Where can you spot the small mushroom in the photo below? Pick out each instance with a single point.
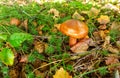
(75, 29)
(15, 21)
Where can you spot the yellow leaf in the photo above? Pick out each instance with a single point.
(61, 73)
(93, 12)
(55, 12)
(76, 15)
(104, 19)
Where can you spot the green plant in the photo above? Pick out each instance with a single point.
(16, 39)
(113, 35)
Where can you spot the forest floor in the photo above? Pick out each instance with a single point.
(33, 46)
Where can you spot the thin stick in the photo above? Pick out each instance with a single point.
(46, 65)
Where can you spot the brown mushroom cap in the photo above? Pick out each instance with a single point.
(15, 21)
(74, 28)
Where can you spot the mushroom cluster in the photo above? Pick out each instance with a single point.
(76, 30)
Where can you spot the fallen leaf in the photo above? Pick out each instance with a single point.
(91, 42)
(118, 44)
(113, 49)
(62, 15)
(57, 26)
(76, 15)
(43, 66)
(110, 6)
(25, 24)
(37, 63)
(34, 23)
(13, 73)
(106, 42)
(39, 29)
(115, 26)
(102, 34)
(38, 1)
(111, 60)
(39, 74)
(96, 35)
(103, 19)
(39, 46)
(55, 12)
(93, 12)
(61, 73)
(81, 46)
(102, 27)
(106, 31)
(24, 58)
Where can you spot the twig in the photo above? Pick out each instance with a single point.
(46, 65)
(43, 37)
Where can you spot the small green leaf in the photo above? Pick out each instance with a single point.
(7, 56)
(17, 39)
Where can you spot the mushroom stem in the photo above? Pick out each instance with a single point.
(72, 41)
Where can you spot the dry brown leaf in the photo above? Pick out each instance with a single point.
(62, 15)
(39, 29)
(96, 35)
(61, 73)
(34, 23)
(115, 26)
(13, 73)
(39, 74)
(106, 31)
(37, 63)
(76, 15)
(102, 34)
(111, 60)
(55, 12)
(24, 58)
(111, 7)
(102, 27)
(25, 24)
(113, 49)
(39, 46)
(106, 42)
(103, 19)
(118, 44)
(91, 42)
(93, 12)
(81, 46)
(38, 1)
(43, 66)
(57, 26)
(15, 21)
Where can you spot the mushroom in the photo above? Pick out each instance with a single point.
(15, 21)
(75, 29)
